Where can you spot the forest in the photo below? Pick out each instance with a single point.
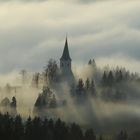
(14, 128)
(92, 100)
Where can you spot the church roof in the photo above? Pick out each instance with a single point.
(65, 55)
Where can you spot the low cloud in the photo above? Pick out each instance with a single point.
(32, 33)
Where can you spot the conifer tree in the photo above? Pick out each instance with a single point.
(35, 80)
(76, 132)
(89, 135)
(90, 62)
(110, 78)
(80, 85)
(93, 88)
(28, 129)
(100, 138)
(14, 102)
(104, 79)
(53, 103)
(87, 84)
(18, 128)
(13, 106)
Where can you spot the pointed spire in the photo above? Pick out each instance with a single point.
(65, 55)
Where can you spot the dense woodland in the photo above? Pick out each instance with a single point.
(14, 128)
(35, 129)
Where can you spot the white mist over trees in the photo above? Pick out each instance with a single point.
(92, 98)
(89, 95)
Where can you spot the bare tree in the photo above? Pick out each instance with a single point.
(23, 74)
(51, 71)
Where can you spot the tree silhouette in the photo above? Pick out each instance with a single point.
(23, 76)
(53, 102)
(122, 136)
(104, 79)
(13, 128)
(89, 135)
(35, 80)
(18, 128)
(92, 88)
(51, 71)
(110, 78)
(87, 84)
(76, 132)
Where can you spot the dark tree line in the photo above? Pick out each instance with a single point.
(117, 84)
(112, 77)
(83, 90)
(37, 129)
(9, 106)
(122, 136)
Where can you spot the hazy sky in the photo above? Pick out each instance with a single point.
(32, 31)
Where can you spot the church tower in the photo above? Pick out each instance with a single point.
(65, 62)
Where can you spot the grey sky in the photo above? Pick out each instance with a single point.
(32, 32)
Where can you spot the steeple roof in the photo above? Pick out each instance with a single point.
(66, 55)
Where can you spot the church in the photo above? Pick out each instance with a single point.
(66, 64)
